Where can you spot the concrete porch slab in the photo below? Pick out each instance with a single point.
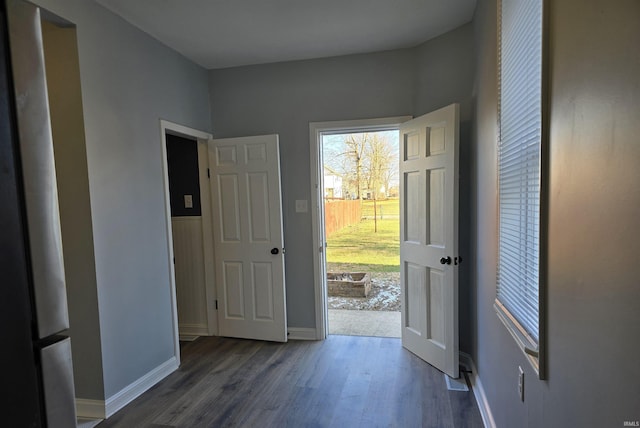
(364, 323)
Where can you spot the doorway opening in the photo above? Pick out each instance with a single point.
(189, 243)
(356, 224)
(186, 226)
(362, 229)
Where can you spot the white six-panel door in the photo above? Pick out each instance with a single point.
(247, 229)
(429, 237)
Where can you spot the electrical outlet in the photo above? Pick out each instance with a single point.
(521, 383)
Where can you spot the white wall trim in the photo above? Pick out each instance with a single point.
(478, 391)
(90, 409)
(183, 131)
(194, 329)
(316, 130)
(301, 333)
(180, 130)
(102, 409)
(137, 388)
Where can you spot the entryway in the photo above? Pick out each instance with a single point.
(189, 239)
(428, 235)
(362, 228)
(328, 319)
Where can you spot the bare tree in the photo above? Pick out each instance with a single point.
(365, 161)
(356, 148)
(380, 156)
(380, 164)
(349, 160)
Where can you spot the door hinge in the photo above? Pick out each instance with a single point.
(216, 304)
(208, 173)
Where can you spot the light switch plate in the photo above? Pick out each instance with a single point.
(188, 201)
(301, 206)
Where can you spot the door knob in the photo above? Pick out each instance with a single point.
(445, 260)
(274, 251)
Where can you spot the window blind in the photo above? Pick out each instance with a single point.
(519, 155)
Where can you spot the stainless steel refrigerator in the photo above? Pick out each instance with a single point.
(35, 356)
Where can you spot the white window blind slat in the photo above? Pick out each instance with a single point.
(520, 116)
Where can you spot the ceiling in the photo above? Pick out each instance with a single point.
(229, 33)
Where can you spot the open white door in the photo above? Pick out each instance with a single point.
(247, 229)
(429, 237)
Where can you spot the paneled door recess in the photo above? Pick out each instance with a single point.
(249, 250)
(429, 237)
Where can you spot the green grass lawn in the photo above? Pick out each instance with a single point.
(358, 248)
(387, 207)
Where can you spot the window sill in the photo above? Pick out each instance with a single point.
(527, 345)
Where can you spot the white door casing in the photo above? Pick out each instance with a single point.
(429, 237)
(316, 132)
(248, 237)
(183, 131)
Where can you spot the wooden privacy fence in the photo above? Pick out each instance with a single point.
(339, 213)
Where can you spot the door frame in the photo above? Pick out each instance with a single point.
(203, 162)
(316, 131)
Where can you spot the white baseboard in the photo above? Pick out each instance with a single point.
(478, 391)
(99, 409)
(90, 409)
(187, 338)
(193, 329)
(300, 333)
(135, 389)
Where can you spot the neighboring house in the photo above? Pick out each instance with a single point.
(371, 194)
(118, 265)
(332, 186)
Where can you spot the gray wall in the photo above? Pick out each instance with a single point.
(593, 317)
(129, 82)
(67, 125)
(445, 72)
(283, 98)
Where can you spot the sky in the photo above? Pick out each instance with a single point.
(333, 147)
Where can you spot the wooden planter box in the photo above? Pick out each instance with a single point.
(349, 284)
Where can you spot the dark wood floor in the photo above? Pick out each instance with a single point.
(344, 381)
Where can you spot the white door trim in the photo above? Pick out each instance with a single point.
(180, 130)
(316, 130)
